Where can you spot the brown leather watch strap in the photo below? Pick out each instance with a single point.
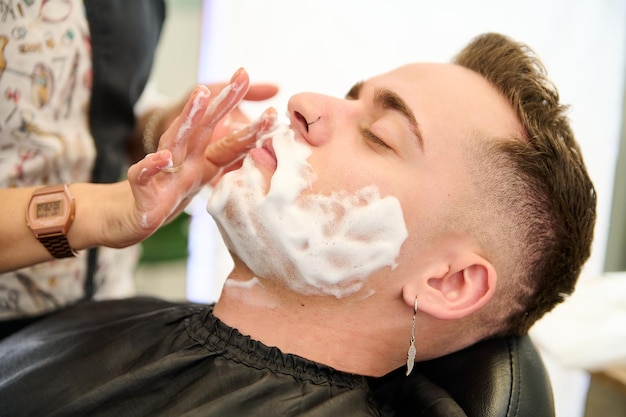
(58, 246)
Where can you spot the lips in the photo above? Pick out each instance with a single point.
(268, 145)
(265, 155)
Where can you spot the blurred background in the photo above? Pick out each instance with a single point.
(327, 45)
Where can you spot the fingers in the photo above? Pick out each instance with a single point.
(221, 125)
(259, 92)
(230, 148)
(200, 115)
(192, 113)
(227, 99)
(141, 172)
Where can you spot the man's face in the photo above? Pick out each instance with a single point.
(395, 145)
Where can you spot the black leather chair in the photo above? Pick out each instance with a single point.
(502, 377)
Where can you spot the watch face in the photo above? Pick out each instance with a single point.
(50, 213)
(49, 209)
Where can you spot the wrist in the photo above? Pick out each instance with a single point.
(98, 210)
(81, 235)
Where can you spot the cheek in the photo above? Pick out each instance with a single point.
(342, 170)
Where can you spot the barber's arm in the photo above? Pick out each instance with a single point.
(158, 187)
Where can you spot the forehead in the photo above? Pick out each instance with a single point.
(451, 97)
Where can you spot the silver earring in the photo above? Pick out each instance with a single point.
(410, 360)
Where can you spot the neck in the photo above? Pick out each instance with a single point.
(352, 334)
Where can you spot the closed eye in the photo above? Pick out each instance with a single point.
(367, 134)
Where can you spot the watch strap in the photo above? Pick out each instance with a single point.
(58, 246)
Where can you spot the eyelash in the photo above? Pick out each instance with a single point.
(367, 134)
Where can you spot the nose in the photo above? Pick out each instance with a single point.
(318, 118)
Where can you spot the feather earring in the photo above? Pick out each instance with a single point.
(410, 360)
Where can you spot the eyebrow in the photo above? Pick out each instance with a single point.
(389, 100)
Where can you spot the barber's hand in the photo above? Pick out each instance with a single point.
(164, 182)
(231, 123)
(237, 119)
(236, 125)
(233, 120)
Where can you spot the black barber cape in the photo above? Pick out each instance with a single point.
(147, 357)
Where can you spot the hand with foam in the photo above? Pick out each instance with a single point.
(236, 117)
(188, 157)
(226, 151)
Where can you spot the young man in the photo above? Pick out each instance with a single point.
(433, 207)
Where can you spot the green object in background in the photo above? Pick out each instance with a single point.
(169, 243)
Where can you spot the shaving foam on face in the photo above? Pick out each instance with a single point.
(316, 244)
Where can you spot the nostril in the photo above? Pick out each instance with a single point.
(301, 118)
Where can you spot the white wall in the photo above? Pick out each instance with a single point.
(327, 45)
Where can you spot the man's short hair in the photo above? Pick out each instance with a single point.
(537, 187)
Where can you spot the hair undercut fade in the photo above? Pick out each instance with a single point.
(539, 186)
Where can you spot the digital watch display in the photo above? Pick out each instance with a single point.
(49, 216)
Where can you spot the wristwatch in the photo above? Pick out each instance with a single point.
(49, 216)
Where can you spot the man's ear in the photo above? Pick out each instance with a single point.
(454, 290)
